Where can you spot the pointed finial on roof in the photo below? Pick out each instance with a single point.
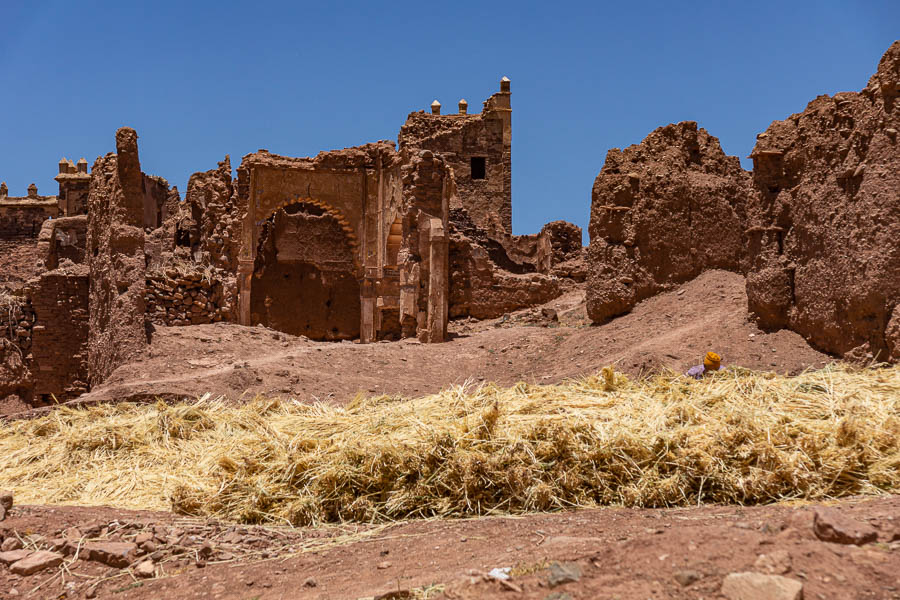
(435, 107)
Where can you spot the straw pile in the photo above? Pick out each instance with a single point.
(735, 437)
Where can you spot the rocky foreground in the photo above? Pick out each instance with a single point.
(850, 549)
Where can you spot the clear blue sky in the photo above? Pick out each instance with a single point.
(202, 79)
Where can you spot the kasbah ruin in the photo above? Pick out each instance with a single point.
(294, 378)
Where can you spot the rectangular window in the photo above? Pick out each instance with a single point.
(479, 169)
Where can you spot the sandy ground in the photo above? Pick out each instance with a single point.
(671, 330)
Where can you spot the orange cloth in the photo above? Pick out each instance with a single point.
(712, 361)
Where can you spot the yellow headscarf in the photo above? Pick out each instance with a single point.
(712, 361)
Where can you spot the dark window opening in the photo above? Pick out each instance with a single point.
(479, 169)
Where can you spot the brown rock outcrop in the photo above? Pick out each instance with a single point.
(662, 211)
(823, 232)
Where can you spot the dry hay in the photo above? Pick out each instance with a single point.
(735, 437)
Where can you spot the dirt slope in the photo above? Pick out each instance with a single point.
(670, 330)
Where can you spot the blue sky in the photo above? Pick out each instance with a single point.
(202, 79)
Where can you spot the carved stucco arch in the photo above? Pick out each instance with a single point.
(247, 264)
(335, 213)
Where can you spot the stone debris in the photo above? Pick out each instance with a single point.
(777, 562)
(145, 569)
(561, 573)
(686, 577)
(756, 586)
(830, 525)
(36, 561)
(10, 556)
(114, 554)
(10, 543)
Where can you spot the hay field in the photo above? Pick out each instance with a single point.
(735, 437)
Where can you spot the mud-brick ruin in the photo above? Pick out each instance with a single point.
(376, 242)
(388, 241)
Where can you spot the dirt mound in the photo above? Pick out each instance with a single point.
(662, 212)
(824, 237)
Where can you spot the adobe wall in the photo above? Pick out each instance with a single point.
(22, 216)
(491, 276)
(214, 227)
(17, 321)
(60, 334)
(825, 224)
(389, 215)
(460, 138)
(179, 297)
(63, 239)
(115, 242)
(662, 211)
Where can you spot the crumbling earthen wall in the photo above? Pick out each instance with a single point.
(187, 297)
(662, 212)
(17, 321)
(60, 334)
(15, 377)
(490, 277)
(116, 257)
(478, 148)
(22, 216)
(213, 229)
(63, 239)
(825, 230)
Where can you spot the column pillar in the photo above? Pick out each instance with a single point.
(437, 282)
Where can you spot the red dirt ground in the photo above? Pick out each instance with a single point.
(629, 554)
(670, 330)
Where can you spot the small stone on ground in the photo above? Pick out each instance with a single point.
(756, 586)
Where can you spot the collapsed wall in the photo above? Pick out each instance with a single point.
(662, 211)
(825, 232)
(115, 245)
(491, 275)
(814, 227)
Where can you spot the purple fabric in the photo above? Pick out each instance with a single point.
(696, 372)
(699, 371)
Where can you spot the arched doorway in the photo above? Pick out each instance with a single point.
(305, 279)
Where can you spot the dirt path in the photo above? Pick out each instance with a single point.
(630, 554)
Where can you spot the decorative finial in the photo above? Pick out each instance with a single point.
(504, 84)
(463, 107)
(435, 108)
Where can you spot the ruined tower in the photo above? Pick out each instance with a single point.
(478, 149)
